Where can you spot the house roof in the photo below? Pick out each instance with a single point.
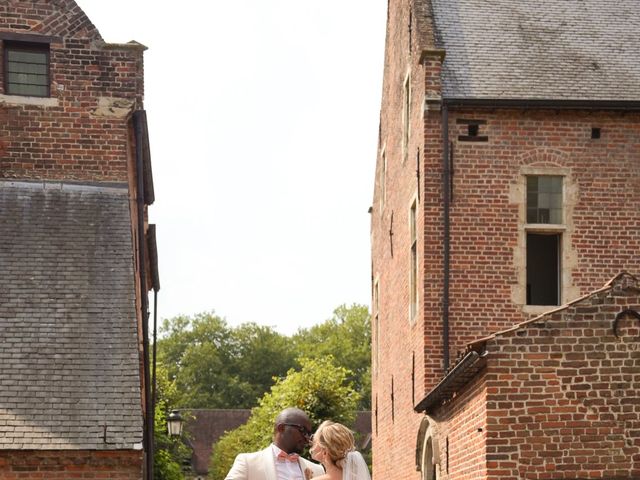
(474, 357)
(69, 363)
(205, 427)
(548, 49)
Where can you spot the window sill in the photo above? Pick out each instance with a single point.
(24, 100)
(539, 309)
(546, 227)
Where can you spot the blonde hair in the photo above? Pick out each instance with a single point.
(336, 439)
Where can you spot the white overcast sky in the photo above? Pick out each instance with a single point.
(263, 123)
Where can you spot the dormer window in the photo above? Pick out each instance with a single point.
(26, 69)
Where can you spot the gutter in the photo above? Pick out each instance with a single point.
(139, 119)
(459, 375)
(446, 188)
(624, 105)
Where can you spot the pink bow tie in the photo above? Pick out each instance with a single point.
(288, 457)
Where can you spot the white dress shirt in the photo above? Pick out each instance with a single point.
(286, 470)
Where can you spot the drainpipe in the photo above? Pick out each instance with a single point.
(144, 300)
(446, 188)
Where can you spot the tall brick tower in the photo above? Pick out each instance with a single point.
(77, 257)
(505, 189)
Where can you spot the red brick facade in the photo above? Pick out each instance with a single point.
(487, 290)
(557, 400)
(66, 465)
(82, 132)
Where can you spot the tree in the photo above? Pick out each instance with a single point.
(216, 366)
(320, 388)
(168, 452)
(347, 337)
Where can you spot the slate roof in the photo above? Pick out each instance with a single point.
(69, 364)
(544, 49)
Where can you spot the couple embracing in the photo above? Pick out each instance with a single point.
(332, 445)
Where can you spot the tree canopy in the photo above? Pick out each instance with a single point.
(320, 388)
(217, 366)
(347, 337)
(214, 365)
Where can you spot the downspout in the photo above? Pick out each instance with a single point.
(446, 187)
(144, 300)
(153, 372)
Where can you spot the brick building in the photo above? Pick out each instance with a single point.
(77, 256)
(505, 201)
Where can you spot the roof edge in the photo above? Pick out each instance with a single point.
(459, 375)
(543, 103)
(475, 358)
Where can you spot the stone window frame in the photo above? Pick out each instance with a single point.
(41, 48)
(428, 449)
(43, 42)
(569, 257)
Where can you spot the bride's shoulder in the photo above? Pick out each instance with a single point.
(324, 476)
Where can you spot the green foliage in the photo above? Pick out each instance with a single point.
(320, 388)
(168, 451)
(216, 366)
(347, 337)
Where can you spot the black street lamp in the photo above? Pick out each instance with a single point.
(174, 423)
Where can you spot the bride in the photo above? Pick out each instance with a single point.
(333, 446)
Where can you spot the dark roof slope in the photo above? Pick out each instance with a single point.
(546, 49)
(69, 364)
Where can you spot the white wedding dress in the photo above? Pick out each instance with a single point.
(355, 467)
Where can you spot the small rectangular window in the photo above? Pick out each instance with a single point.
(543, 269)
(406, 117)
(383, 180)
(544, 199)
(413, 302)
(26, 69)
(376, 327)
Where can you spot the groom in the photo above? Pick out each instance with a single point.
(281, 460)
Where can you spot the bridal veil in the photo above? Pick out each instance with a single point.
(355, 467)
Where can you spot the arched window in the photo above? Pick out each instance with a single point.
(427, 449)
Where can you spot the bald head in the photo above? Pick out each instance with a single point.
(291, 430)
(291, 415)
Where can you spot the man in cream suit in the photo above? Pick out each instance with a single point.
(281, 460)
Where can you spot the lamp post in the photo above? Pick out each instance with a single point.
(174, 423)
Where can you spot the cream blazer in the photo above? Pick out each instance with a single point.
(261, 466)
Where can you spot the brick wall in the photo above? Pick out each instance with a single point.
(563, 394)
(461, 433)
(67, 465)
(80, 132)
(487, 206)
(487, 246)
(399, 340)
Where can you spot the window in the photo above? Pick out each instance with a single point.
(376, 327)
(413, 283)
(544, 199)
(26, 69)
(544, 232)
(383, 180)
(406, 114)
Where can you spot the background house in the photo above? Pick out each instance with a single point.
(76, 256)
(509, 136)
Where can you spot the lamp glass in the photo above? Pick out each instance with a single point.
(174, 424)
